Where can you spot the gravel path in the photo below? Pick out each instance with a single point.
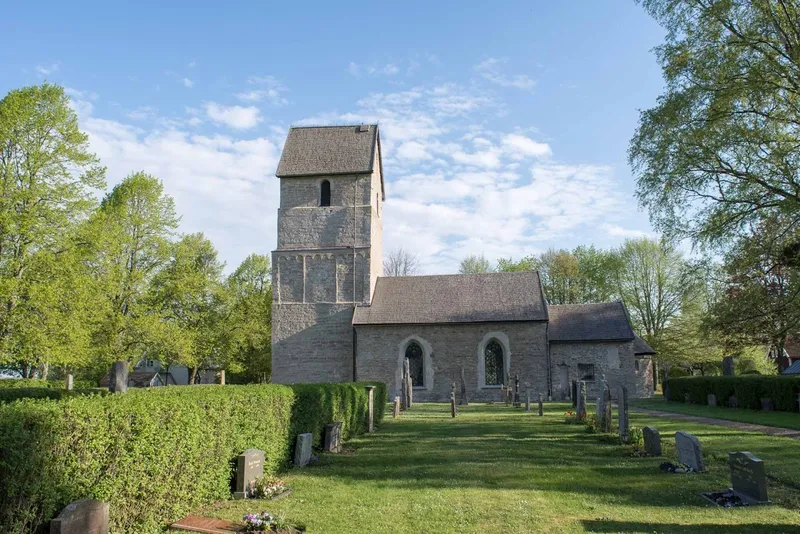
(769, 430)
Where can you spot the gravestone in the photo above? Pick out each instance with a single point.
(333, 437)
(687, 398)
(404, 393)
(712, 399)
(249, 467)
(118, 380)
(733, 402)
(541, 408)
(652, 441)
(727, 366)
(624, 427)
(581, 408)
(516, 391)
(68, 383)
(748, 477)
(396, 407)
(689, 451)
(767, 405)
(86, 516)
(302, 450)
(408, 385)
(370, 409)
(528, 399)
(606, 409)
(453, 402)
(222, 377)
(574, 393)
(464, 400)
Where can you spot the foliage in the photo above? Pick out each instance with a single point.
(473, 264)
(401, 262)
(6, 383)
(141, 450)
(635, 436)
(748, 389)
(18, 393)
(268, 486)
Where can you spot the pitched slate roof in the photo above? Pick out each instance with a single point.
(458, 298)
(793, 369)
(607, 321)
(315, 150)
(641, 347)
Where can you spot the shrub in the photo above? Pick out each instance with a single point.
(13, 383)
(17, 393)
(154, 454)
(748, 389)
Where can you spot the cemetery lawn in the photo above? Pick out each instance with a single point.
(756, 417)
(499, 469)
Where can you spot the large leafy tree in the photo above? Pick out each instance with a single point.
(47, 179)
(720, 150)
(474, 264)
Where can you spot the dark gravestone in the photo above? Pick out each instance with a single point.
(727, 366)
(606, 409)
(371, 409)
(516, 391)
(333, 437)
(581, 408)
(541, 408)
(302, 449)
(733, 402)
(86, 516)
(404, 393)
(767, 405)
(453, 409)
(528, 398)
(249, 467)
(687, 398)
(712, 399)
(396, 407)
(464, 400)
(118, 380)
(689, 451)
(624, 426)
(574, 393)
(652, 441)
(748, 477)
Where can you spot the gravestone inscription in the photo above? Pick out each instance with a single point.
(302, 450)
(333, 437)
(86, 516)
(689, 451)
(249, 467)
(748, 477)
(652, 441)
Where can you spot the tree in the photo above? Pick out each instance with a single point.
(189, 297)
(47, 178)
(249, 325)
(474, 264)
(508, 265)
(401, 262)
(597, 268)
(719, 151)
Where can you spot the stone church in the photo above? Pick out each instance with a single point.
(336, 319)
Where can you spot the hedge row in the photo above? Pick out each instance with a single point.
(13, 394)
(13, 383)
(156, 454)
(748, 389)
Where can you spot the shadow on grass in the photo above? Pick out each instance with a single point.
(632, 526)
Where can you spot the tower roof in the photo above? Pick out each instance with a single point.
(326, 150)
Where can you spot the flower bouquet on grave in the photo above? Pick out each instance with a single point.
(669, 467)
(268, 487)
(261, 522)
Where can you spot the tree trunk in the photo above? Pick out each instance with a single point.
(44, 368)
(192, 375)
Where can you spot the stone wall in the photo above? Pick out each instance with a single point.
(447, 347)
(612, 360)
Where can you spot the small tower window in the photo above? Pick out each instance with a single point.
(325, 193)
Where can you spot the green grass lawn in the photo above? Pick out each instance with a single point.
(496, 469)
(779, 419)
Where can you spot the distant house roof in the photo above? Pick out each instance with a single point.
(641, 347)
(136, 379)
(792, 348)
(607, 321)
(793, 369)
(320, 150)
(456, 298)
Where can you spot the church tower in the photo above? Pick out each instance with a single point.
(329, 252)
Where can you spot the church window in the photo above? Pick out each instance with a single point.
(586, 371)
(493, 359)
(325, 193)
(415, 363)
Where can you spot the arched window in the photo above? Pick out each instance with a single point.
(415, 363)
(493, 359)
(325, 193)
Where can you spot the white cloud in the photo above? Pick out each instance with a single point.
(264, 88)
(188, 83)
(143, 113)
(520, 146)
(489, 69)
(388, 69)
(236, 117)
(619, 231)
(46, 70)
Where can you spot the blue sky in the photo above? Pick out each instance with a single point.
(505, 125)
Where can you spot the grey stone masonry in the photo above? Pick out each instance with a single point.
(86, 516)
(118, 381)
(333, 437)
(624, 425)
(302, 450)
(614, 361)
(652, 441)
(249, 468)
(689, 451)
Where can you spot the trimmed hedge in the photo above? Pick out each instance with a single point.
(11, 383)
(748, 389)
(15, 393)
(154, 454)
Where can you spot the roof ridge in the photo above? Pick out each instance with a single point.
(375, 124)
